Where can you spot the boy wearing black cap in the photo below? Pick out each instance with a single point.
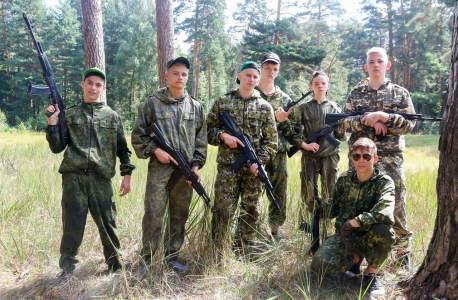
(254, 118)
(97, 136)
(182, 121)
(277, 168)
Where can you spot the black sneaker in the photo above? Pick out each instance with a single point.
(374, 287)
(142, 271)
(65, 273)
(177, 267)
(355, 269)
(118, 266)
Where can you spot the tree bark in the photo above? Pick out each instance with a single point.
(198, 72)
(209, 80)
(237, 67)
(132, 92)
(165, 37)
(93, 36)
(277, 33)
(438, 274)
(194, 62)
(7, 54)
(390, 39)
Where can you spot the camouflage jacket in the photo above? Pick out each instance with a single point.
(279, 99)
(254, 118)
(97, 137)
(370, 202)
(181, 121)
(309, 117)
(388, 97)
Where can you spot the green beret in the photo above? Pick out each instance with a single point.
(249, 65)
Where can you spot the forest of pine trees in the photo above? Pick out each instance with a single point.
(305, 34)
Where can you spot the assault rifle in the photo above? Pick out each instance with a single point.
(293, 103)
(248, 155)
(315, 136)
(183, 167)
(333, 118)
(50, 88)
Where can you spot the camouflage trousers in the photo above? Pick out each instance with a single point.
(329, 172)
(229, 186)
(80, 194)
(278, 176)
(393, 164)
(334, 257)
(157, 199)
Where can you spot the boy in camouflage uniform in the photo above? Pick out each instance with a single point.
(254, 118)
(362, 203)
(276, 168)
(182, 121)
(309, 117)
(97, 136)
(379, 94)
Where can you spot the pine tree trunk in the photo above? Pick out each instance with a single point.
(237, 67)
(438, 274)
(131, 91)
(318, 34)
(165, 45)
(7, 54)
(198, 72)
(194, 62)
(209, 81)
(93, 36)
(390, 39)
(277, 34)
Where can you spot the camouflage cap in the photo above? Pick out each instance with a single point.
(181, 59)
(249, 65)
(93, 70)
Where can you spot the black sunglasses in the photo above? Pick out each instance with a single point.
(366, 156)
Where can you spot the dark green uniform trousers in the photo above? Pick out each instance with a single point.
(278, 176)
(157, 199)
(83, 193)
(334, 257)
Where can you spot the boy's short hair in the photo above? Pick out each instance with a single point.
(366, 144)
(377, 50)
(316, 74)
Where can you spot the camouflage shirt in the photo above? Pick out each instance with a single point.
(253, 117)
(279, 99)
(97, 137)
(309, 117)
(389, 97)
(370, 202)
(181, 121)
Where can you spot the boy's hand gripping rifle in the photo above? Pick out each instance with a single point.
(248, 155)
(50, 89)
(183, 167)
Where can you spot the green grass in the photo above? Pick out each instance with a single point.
(30, 232)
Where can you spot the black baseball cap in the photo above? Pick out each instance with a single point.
(270, 57)
(180, 59)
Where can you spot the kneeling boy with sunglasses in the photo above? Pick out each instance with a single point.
(363, 204)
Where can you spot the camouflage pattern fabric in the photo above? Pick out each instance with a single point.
(371, 203)
(334, 257)
(80, 194)
(278, 174)
(253, 118)
(229, 186)
(183, 124)
(97, 137)
(329, 172)
(277, 168)
(157, 199)
(277, 100)
(181, 121)
(309, 117)
(388, 97)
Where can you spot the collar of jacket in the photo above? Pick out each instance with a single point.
(377, 173)
(363, 85)
(163, 94)
(95, 105)
(254, 95)
(277, 91)
(315, 101)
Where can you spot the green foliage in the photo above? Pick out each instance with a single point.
(3, 122)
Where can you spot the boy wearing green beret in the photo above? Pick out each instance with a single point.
(254, 118)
